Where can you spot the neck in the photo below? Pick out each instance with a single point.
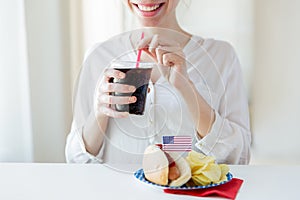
(174, 26)
(166, 29)
(175, 33)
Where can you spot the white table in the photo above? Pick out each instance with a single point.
(94, 181)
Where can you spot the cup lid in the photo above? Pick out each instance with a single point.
(131, 64)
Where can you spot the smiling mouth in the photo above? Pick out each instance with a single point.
(148, 8)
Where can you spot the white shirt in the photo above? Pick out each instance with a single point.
(214, 69)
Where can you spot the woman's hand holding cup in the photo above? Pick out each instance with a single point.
(106, 101)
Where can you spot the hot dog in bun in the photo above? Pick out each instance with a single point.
(165, 168)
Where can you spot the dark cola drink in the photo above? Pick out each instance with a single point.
(138, 77)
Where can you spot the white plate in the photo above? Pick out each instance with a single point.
(139, 174)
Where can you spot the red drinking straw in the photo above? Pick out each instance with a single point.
(139, 53)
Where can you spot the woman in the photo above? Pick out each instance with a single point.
(195, 90)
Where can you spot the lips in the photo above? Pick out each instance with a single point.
(148, 10)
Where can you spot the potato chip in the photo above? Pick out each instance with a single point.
(205, 170)
(224, 171)
(223, 178)
(199, 169)
(197, 160)
(200, 158)
(200, 179)
(212, 172)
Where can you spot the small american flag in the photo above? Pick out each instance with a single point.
(177, 143)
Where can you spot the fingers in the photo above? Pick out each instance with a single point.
(144, 43)
(153, 45)
(164, 51)
(112, 73)
(116, 87)
(110, 100)
(171, 59)
(108, 86)
(105, 101)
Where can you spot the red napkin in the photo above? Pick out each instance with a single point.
(228, 190)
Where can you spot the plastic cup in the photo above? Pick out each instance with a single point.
(138, 77)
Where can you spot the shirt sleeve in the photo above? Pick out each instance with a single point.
(230, 137)
(75, 151)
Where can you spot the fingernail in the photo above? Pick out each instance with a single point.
(132, 99)
(121, 75)
(131, 88)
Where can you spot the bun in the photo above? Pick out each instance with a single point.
(156, 167)
(184, 168)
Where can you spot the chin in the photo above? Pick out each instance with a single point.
(147, 24)
(150, 23)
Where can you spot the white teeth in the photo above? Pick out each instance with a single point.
(148, 8)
